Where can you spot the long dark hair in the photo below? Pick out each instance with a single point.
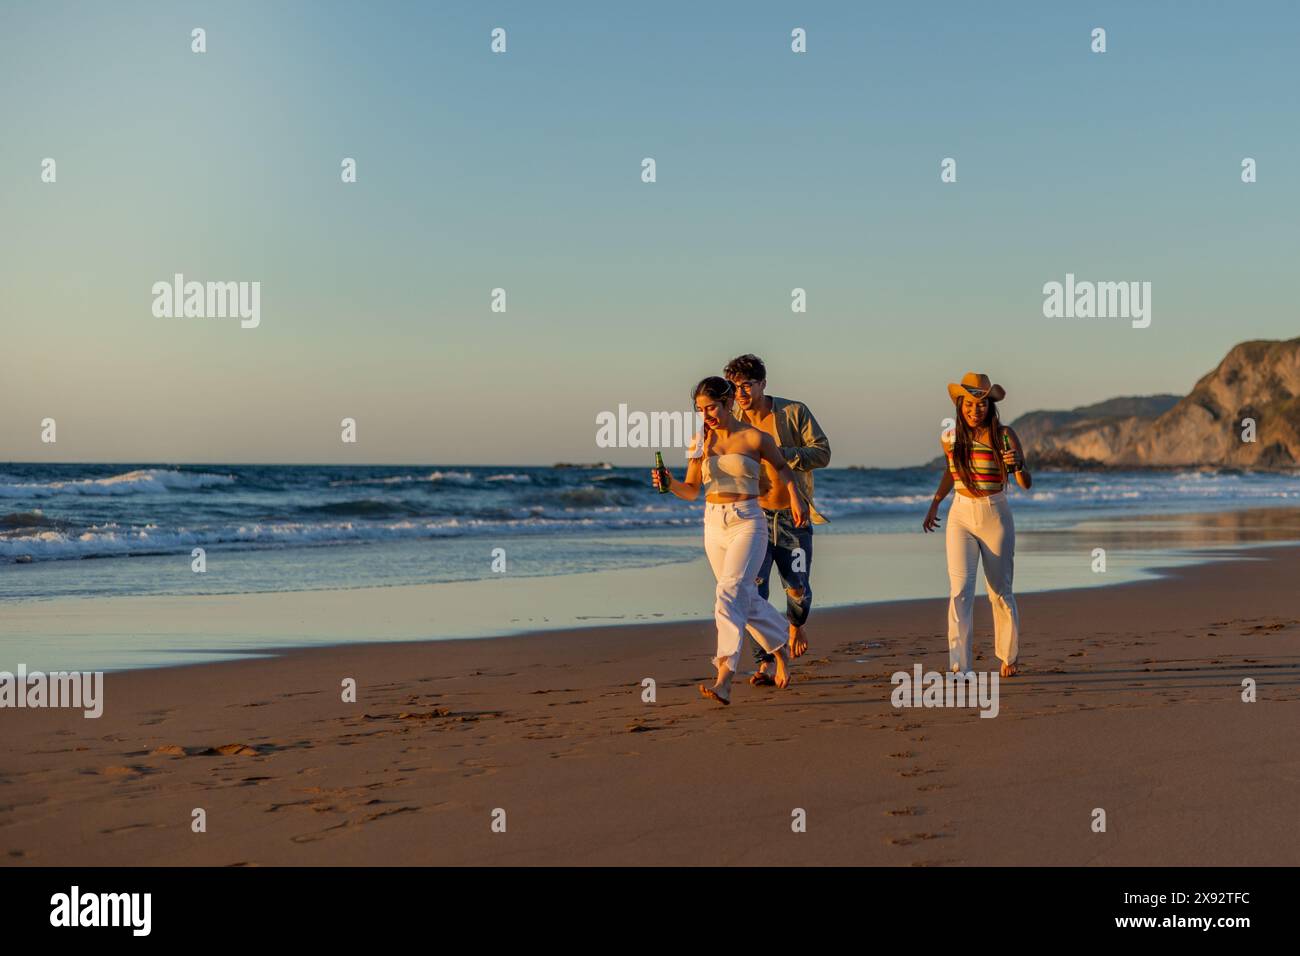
(963, 445)
(715, 387)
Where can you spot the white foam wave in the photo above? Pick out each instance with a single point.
(111, 540)
(452, 477)
(148, 481)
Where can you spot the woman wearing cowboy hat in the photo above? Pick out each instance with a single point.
(981, 453)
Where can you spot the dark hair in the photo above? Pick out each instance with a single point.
(718, 389)
(964, 443)
(746, 366)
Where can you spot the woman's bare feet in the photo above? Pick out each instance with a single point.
(713, 694)
(721, 689)
(783, 667)
(1010, 670)
(798, 643)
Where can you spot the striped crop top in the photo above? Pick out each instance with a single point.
(985, 470)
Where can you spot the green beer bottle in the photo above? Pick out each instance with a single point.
(664, 478)
(1006, 446)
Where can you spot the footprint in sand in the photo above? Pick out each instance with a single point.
(575, 752)
(129, 826)
(157, 716)
(351, 825)
(434, 714)
(276, 807)
(225, 750)
(133, 770)
(914, 838)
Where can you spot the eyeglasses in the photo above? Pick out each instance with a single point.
(747, 386)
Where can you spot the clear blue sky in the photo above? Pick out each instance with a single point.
(522, 171)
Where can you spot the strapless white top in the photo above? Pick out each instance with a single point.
(732, 474)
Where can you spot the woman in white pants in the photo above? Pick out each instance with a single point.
(724, 463)
(981, 453)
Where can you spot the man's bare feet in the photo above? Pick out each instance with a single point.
(783, 667)
(1010, 670)
(798, 643)
(761, 677)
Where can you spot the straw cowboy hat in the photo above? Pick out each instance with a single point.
(976, 385)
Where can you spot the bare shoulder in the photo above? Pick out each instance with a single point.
(757, 443)
(756, 439)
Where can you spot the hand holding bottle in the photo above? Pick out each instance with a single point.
(1010, 456)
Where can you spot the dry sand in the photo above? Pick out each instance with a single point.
(1130, 701)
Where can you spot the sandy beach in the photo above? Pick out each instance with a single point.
(1129, 701)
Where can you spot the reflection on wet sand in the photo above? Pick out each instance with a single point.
(1171, 532)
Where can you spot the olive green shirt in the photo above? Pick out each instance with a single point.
(804, 445)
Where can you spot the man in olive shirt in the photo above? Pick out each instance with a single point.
(805, 447)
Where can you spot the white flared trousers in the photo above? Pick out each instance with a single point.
(735, 539)
(981, 529)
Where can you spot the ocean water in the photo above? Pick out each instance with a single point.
(86, 530)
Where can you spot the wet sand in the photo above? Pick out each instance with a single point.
(113, 632)
(1129, 701)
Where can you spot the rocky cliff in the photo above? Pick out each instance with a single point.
(1258, 380)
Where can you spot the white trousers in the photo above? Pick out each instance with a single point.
(981, 529)
(735, 539)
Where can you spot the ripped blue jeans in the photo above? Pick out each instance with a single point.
(790, 549)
